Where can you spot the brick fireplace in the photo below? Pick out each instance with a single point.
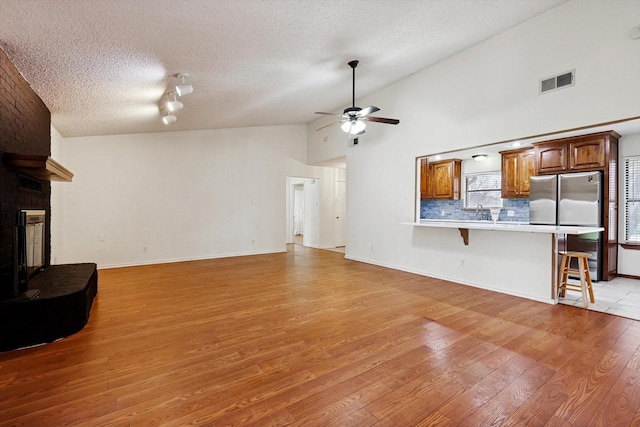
(39, 303)
(25, 127)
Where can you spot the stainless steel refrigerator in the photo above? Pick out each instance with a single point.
(571, 199)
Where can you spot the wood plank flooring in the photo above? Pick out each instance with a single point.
(308, 338)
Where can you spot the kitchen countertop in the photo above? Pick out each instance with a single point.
(505, 226)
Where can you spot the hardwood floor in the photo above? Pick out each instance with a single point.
(309, 338)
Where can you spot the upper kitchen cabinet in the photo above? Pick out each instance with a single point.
(517, 167)
(551, 157)
(575, 154)
(440, 180)
(588, 153)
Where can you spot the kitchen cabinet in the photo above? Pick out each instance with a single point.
(593, 152)
(576, 154)
(587, 153)
(517, 167)
(551, 158)
(440, 180)
(424, 179)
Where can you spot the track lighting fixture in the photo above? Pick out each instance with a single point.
(173, 104)
(183, 89)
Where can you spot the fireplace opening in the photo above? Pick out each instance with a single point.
(29, 247)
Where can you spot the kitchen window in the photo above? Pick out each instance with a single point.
(483, 189)
(632, 199)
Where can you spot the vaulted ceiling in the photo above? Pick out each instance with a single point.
(103, 66)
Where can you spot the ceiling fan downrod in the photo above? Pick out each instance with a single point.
(353, 64)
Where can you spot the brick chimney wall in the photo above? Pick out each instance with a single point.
(25, 128)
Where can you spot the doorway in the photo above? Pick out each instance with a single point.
(303, 211)
(298, 214)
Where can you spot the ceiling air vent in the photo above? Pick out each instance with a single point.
(557, 82)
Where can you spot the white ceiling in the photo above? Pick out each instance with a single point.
(102, 66)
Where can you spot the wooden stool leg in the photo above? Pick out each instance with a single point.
(583, 282)
(589, 282)
(562, 276)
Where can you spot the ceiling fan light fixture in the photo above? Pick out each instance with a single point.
(354, 127)
(358, 127)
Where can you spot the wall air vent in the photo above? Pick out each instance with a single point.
(557, 82)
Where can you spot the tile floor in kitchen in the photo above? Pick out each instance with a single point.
(620, 296)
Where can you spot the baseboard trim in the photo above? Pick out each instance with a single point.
(452, 280)
(628, 276)
(172, 260)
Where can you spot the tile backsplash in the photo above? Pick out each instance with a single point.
(454, 209)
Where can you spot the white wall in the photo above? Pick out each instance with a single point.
(483, 95)
(57, 191)
(180, 195)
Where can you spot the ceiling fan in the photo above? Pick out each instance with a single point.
(353, 118)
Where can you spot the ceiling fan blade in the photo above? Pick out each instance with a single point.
(327, 114)
(382, 120)
(367, 110)
(326, 126)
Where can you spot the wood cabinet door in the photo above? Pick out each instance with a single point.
(509, 175)
(517, 167)
(587, 154)
(441, 180)
(551, 158)
(526, 169)
(424, 179)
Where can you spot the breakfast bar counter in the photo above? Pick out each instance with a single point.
(521, 227)
(519, 259)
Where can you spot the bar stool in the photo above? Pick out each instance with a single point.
(583, 271)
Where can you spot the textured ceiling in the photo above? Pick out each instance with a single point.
(102, 66)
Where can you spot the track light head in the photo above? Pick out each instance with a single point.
(173, 104)
(169, 118)
(183, 88)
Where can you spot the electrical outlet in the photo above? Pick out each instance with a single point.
(144, 249)
(461, 262)
(511, 213)
(441, 213)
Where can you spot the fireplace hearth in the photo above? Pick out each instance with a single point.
(62, 308)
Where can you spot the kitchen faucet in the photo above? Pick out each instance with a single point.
(479, 208)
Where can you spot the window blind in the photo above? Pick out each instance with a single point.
(483, 189)
(632, 199)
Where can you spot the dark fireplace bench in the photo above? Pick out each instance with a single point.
(61, 309)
